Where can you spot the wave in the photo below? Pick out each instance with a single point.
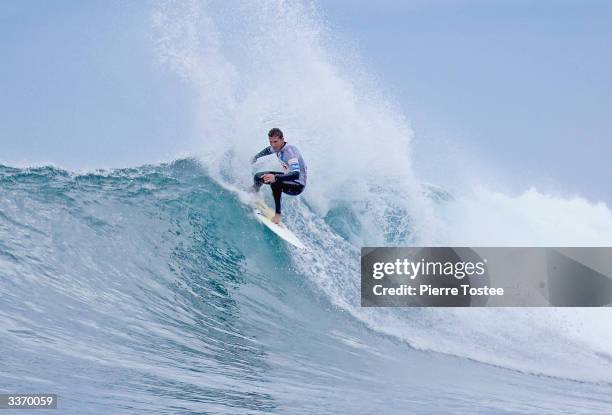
(156, 279)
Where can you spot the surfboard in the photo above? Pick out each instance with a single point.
(264, 214)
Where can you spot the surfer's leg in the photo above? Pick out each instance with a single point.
(293, 188)
(278, 188)
(277, 191)
(258, 181)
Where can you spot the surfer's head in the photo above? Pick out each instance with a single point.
(276, 139)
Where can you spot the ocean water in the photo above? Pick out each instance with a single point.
(153, 289)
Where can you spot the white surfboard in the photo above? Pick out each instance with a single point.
(264, 214)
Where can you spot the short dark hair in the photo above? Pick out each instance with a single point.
(275, 132)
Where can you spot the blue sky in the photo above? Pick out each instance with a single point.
(523, 86)
(526, 86)
(80, 87)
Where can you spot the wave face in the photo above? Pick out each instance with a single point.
(154, 289)
(259, 64)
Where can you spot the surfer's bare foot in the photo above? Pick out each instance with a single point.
(276, 218)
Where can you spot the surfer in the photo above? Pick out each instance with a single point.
(292, 181)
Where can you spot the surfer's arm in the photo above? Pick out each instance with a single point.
(266, 151)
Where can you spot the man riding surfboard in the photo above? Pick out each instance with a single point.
(292, 181)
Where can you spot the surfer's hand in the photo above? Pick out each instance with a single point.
(253, 160)
(269, 178)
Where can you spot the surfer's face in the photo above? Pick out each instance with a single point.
(276, 143)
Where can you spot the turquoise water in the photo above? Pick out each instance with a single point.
(154, 290)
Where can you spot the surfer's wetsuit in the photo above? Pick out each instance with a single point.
(292, 181)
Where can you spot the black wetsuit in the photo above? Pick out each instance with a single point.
(292, 181)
